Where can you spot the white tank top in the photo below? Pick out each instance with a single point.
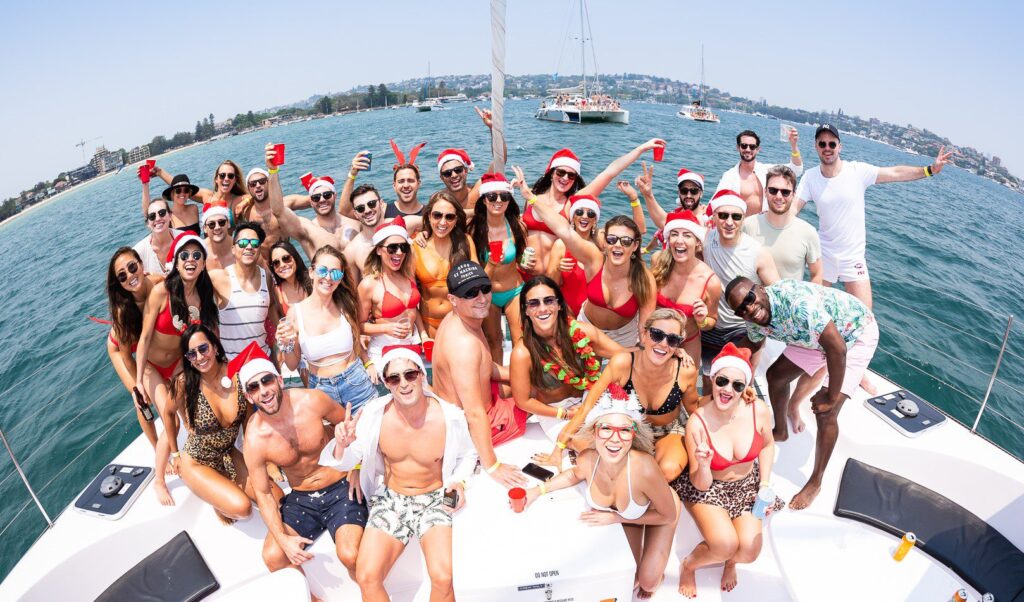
(337, 342)
(728, 263)
(243, 320)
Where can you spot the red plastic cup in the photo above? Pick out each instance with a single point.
(517, 499)
(144, 173)
(497, 248)
(659, 153)
(278, 154)
(151, 163)
(428, 350)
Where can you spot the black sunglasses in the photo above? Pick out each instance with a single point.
(497, 197)
(315, 198)
(484, 289)
(625, 241)
(195, 255)
(284, 259)
(182, 189)
(192, 354)
(745, 146)
(453, 171)
(226, 176)
(158, 213)
(690, 191)
(360, 208)
(410, 376)
(132, 267)
(258, 182)
(829, 144)
(658, 335)
(395, 247)
(724, 215)
(565, 173)
(742, 308)
(437, 215)
(737, 385)
(785, 192)
(216, 223)
(254, 387)
(588, 212)
(550, 300)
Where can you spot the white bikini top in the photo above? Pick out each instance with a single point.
(633, 511)
(337, 342)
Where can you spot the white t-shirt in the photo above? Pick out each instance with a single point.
(792, 247)
(150, 262)
(840, 204)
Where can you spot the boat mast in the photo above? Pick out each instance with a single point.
(583, 53)
(702, 74)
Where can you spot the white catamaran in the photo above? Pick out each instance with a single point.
(697, 111)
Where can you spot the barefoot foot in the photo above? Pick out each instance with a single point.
(643, 594)
(729, 577)
(805, 496)
(795, 421)
(687, 580)
(868, 386)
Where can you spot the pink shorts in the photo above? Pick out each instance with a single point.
(857, 358)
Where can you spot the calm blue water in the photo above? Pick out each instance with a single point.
(957, 233)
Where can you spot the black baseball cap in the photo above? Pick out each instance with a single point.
(826, 127)
(464, 276)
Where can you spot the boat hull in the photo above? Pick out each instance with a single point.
(585, 116)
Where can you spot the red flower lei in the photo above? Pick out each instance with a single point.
(581, 344)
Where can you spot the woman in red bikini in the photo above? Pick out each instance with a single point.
(685, 283)
(731, 451)
(446, 244)
(128, 287)
(389, 300)
(562, 267)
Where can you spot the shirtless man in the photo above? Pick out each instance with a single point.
(288, 431)
(748, 176)
(325, 229)
(369, 208)
(256, 208)
(427, 455)
(216, 222)
(464, 370)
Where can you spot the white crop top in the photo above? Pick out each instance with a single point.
(337, 342)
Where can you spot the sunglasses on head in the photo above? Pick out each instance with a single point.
(201, 349)
(588, 212)
(327, 195)
(182, 190)
(257, 182)
(745, 146)
(830, 144)
(266, 380)
(785, 192)
(284, 259)
(323, 271)
(230, 175)
(216, 223)
(744, 306)
(453, 171)
(193, 255)
(564, 173)
(158, 213)
(687, 191)
(658, 335)
(369, 205)
(248, 243)
(625, 241)
(605, 431)
(410, 376)
(737, 385)
(132, 267)
(483, 289)
(550, 301)
(724, 215)
(437, 215)
(497, 197)
(397, 247)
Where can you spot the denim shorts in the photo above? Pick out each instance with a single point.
(352, 386)
(311, 513)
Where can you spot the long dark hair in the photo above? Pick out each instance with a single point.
(344, 296)
(544, 183)
(460, 248)
(209, 314)
(478, 227)
(189, 373)
(125, 316)
(238, 188)
(539, 351)
(301, 272)
(639, 283)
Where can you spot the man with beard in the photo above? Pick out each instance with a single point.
(792, 242)
(244, 319)
(415, 453)
(326, 228)
(454, 165)
(690, 187)
(256, 208)
(465, 372)
(288, 431)
(216, 222)
(748, 176)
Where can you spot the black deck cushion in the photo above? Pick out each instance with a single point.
(945, 530)
(174, 573)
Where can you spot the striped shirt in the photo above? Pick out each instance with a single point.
(243, 320)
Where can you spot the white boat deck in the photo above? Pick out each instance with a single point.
(82, 555)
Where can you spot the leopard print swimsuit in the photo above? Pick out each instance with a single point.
(208, 442)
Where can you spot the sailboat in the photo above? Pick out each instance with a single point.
(573, 105)
(697, 111)
(428, 104)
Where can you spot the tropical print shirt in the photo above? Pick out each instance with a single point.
(801, 310)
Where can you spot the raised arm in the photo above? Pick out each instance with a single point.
(603, 179)
(907, 173)
(645, 184)
(583, 250)
(145, 199)
(634, 203)
(359, 163)
(796, 163)
(290, 223)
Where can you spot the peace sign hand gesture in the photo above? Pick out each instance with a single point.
(942, 159)
(644, 181)
(520, 181)
(345, 431)
(702, 450)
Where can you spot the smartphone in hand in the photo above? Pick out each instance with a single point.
(451, 498)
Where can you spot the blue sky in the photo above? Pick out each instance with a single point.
(129, 71)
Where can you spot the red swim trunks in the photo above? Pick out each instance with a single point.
(507, 420)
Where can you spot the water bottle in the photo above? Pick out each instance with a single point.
(765, 497)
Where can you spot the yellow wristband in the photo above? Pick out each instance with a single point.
(560, 444)
(274, 170)
(493, 468)
(543, 489)
(531, 200)
(928, 171)
(634, 203)
(357, 467)
(367, 364)
(703, 323)
(560, 414)
(351, 176)
(794, 154)
(175, 455)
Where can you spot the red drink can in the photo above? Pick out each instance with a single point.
(278, 154)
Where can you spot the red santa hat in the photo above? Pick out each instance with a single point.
(685, 220)
(726, 198)
(494, 182)
(733, 357)
(215, 210)
(584, 201)
(454, 154)
(311, 182)
(180, 241)
(395, 227)
(250, 363)
(564, 158)
(685, 174)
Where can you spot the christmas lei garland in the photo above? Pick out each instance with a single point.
(581, 344)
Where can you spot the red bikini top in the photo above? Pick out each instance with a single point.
(595, 294)
(165, 322)
(683, 308)
(392, 307)
(535, 225)
(718, 461)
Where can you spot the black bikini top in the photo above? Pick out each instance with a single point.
(675, 396)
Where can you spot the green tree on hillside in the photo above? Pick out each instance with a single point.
(325, 105)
